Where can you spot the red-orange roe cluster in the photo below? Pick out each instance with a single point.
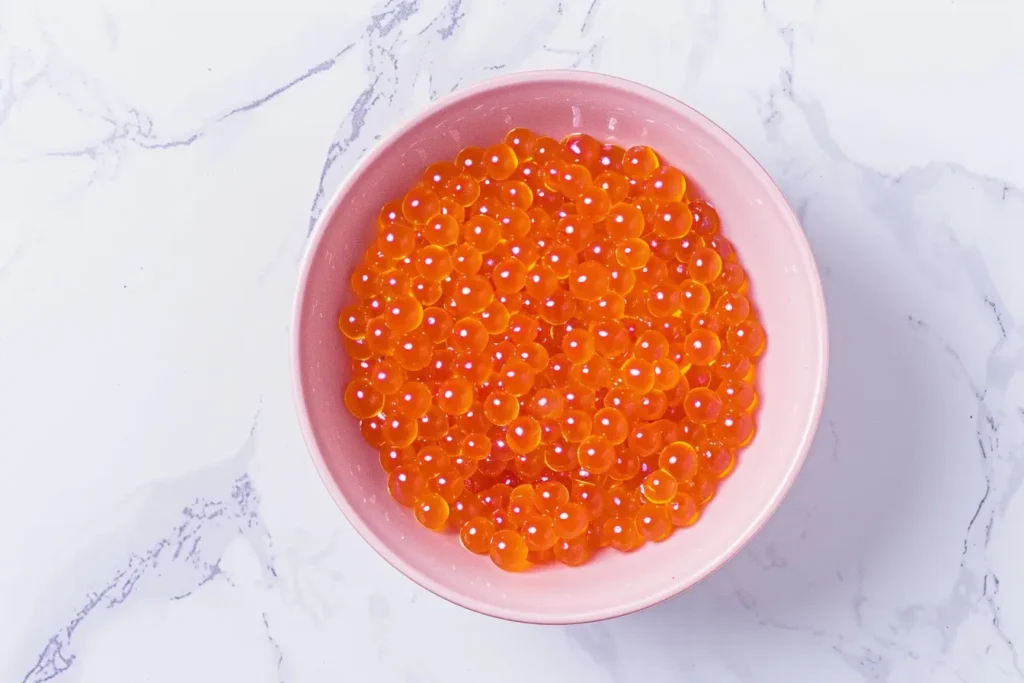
(552, 349)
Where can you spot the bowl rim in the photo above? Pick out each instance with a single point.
(818, 312)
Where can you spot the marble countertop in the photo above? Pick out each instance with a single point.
(160, 170)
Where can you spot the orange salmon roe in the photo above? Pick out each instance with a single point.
(553, 348)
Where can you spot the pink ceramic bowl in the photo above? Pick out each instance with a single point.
(786, 290)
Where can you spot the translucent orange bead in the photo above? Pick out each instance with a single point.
(644, 439)
(593, 203)
(579, 397)
(433, 425)
(539, 532)
(426, 292)
(638, 375)
(747, 338)
(614, 184)
(508, 550)
(578, 345)
(462, 189)
(386, 376)
(522, 329)
(702, 346)
(664, 299)
(683, 509)
(621, 533)
(358, 349)
(561, 456)
(702, 405)
(476, 445)
(570, 520)
(633, 253)
(476, 535)
(482, 233)
(589, 281)
(431, 511)
(653, 406)
(576, 425)
(545, 149)
(455, 396)
(611, 339)
(399, 431)
(420, 204)
(732, 308)
(517, 195)
(651, 346)
(705, 218)
(680, 460)
(575, 231)
(405, 484)
(501, 407)
(734, 427)
(673, 220)
(352, 322)
(709, 320)
(438, 174)
(705, 265)
(639, 162)
(403, 314)
(582, 148)
(596, 454)
(494, 317)
(558, 308)
(659, 487)
(500, 161)
(665, 185)
(732, 278)
(534, 355)
(467, 259)
(737, 394)
(394, 284)
(473, 293)
(441, 230)
(547, 404)
(372, 430)
(627, 465)
(516, 377)
(390, 458)
(611, 424)
(449, 207)
(521, 508)
(594, 374)
(471, 162)
(624, 221)
(362, 399)
(732, 365)
(653, 522)
(574, 180)
(572, 552)
(434, 263)
(522, 141)
(561, 259)
(716, 460)
(541, 282)
(397, 241)
(550, 495)
(695, 297)
(523, 434)
(364, 281)
(469, 335)
(413, 351)
(390, 214)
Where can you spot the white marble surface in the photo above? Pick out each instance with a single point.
(160, 167)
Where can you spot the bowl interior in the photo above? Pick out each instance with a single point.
(785, 289)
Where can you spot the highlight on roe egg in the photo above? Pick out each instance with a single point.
(554, 349)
